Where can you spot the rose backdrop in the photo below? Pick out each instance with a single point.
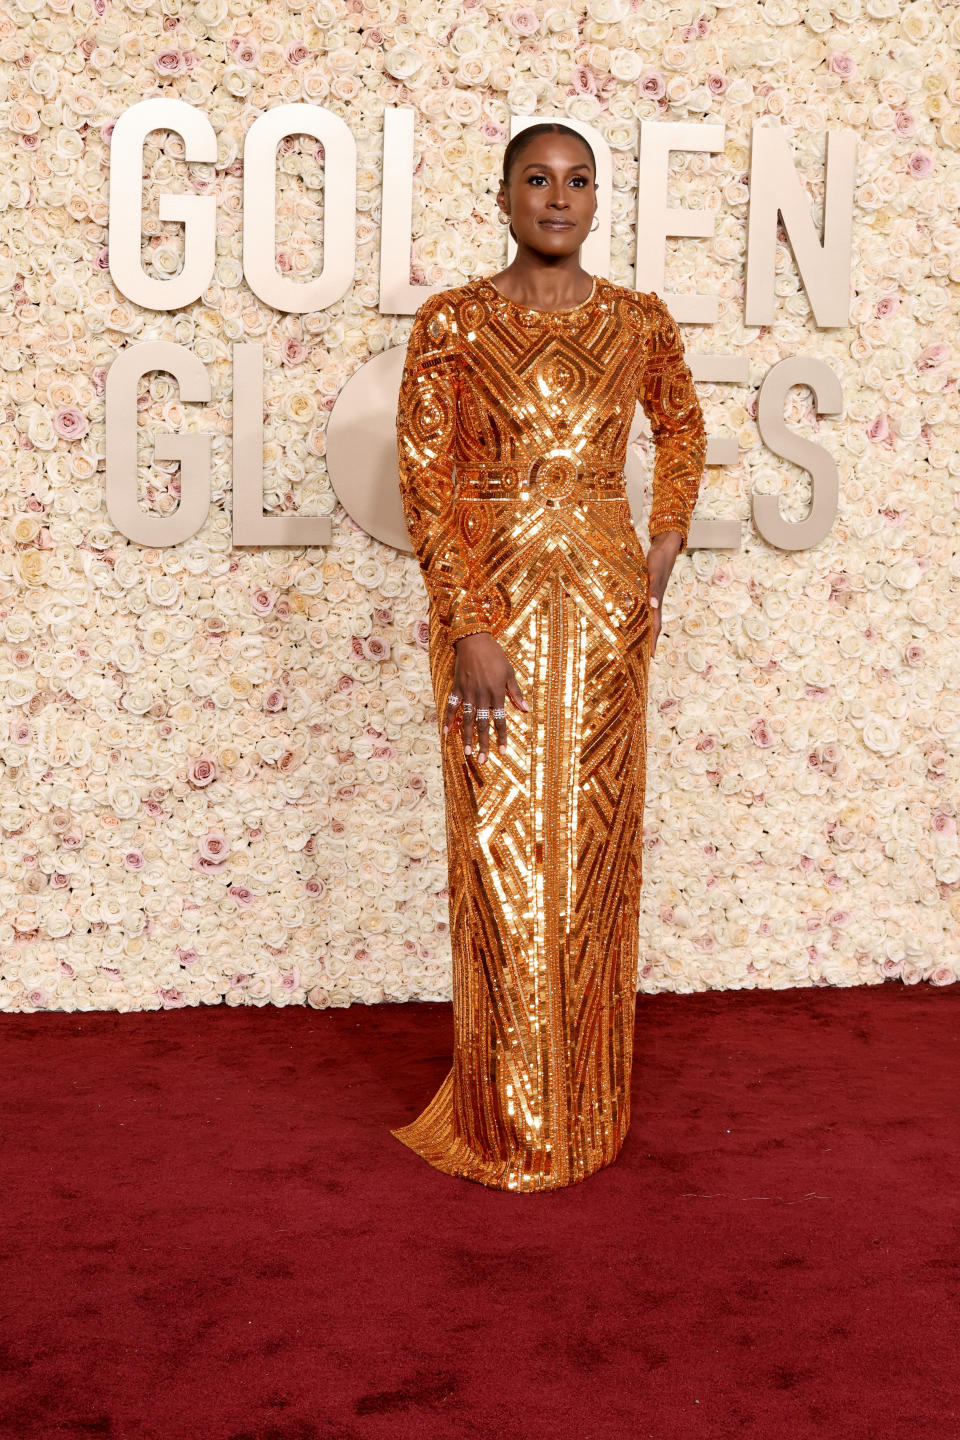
(220, 768)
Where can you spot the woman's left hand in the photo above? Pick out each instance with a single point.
(663, 551)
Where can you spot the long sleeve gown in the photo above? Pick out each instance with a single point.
(512, 430)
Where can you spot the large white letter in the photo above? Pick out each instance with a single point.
(197, 213)
(776, 187)
(193, 451)
(721, 449)
(250, 525)
(397, 295)
(260, 208)
(824, 480)
(656, 219)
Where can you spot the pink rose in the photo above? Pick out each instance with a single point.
(292, 351)
(583, 80)
(843, 64)
(886, 306)
(241, 895)
(920, 164)
(522, 22)
(716, 83)
(652, 85)
(169, 62)
(133, 860)
(944, 824)
(70, 423)
(761, 733)
(932, 356)
(214, 847)
(905, 122)
(202, 771)
(880, 430)
(297, 52)
(274, 701)
(262, 602)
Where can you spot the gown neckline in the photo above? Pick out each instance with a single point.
(532, 309)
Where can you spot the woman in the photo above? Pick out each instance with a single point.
(526, 382)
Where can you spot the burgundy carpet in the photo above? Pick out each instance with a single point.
(210, 1234)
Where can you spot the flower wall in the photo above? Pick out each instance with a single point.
(220, 768)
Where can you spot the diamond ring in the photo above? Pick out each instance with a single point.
(483, 714)
(499, 714)
(454, 700)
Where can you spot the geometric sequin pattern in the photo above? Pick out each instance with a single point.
(512, 428)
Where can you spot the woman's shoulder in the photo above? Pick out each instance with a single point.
(436, 316)
(643, 306)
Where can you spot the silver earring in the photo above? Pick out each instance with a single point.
(504, 219)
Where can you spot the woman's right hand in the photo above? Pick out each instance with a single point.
(482, 678)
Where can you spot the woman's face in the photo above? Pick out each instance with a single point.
(552, 196)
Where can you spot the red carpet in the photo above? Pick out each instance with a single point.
(210, 1233)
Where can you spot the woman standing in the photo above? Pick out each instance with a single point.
(526, 382)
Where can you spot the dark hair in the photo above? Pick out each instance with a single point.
(521, 140)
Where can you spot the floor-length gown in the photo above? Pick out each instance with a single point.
(512, 430)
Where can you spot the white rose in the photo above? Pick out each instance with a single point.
(881, 735)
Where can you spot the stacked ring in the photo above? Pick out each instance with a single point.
(499, 714)
(483, 714)
(467, 706)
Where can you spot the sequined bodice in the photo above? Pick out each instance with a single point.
(573, 376)
(533, 408)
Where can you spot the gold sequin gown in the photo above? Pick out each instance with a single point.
(512, 429)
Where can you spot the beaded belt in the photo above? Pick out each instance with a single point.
(554, 477)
